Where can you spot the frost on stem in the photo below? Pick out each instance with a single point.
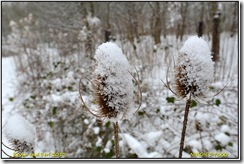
(112, 81)
(194, 68)
(20, 133)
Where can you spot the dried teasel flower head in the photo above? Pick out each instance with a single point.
(20, 133)
(112, 82)
(194, 68)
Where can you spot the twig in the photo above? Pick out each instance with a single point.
(139, 88)
(86, 107)
(220, 90)
(116, 139)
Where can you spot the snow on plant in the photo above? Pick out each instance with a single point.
(113, 86)
(193, 72)
(194, 68)
(21, 134)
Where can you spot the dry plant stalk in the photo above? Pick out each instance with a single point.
(193, 72)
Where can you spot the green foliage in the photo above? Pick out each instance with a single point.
(55, 64)
(11, 99)
(54, 110)
(170, 99)
(99, 148)
(70, 88)
(33, 97)
(230, 144)
(218, 147)
(50, 123)
(140, 113)
(109, 154)
(113, 143)
(193, 103)
(107, 124)
(133, 155)
(211, 88)
(217, 102)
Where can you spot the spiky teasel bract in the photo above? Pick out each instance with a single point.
(21, 146)
(194, 69)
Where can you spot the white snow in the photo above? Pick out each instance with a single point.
(222, 138)
(108, 146)
(113, 65)
(195, 144)
(96, 130)
(225, 128)
(207, 145)
(93, 21)
(99, 142)
(138, 147)
(20, 129)
(8, 79)
(86, 121)
(135, 145)
(152, 137)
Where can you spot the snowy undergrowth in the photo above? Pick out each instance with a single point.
(63, 125)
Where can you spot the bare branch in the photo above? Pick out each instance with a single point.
(86, 107)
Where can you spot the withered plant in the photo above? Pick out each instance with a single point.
(193, 73)
(112, 84)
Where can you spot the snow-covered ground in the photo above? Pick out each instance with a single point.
(153, 132)
(8, 91)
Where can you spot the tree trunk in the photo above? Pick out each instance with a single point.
(156, 24)
(215, 37)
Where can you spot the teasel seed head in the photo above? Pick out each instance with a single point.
(20, 134)
(112, 83)
(193, 68)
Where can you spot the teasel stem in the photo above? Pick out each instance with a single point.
(116, 139)
(183, 133)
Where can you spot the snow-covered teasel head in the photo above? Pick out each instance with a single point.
(112, 82)
(20, 133)
(194, 68)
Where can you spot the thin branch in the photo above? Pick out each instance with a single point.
(167, 85)
(84, 101)
(220, 90)
(139, 88)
